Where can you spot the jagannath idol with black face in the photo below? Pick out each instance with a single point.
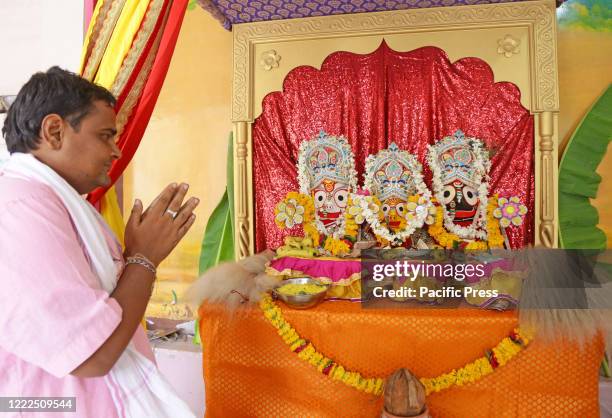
(460, 166)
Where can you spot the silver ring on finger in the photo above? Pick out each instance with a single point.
(171, 213)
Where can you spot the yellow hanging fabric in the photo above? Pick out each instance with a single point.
(90, 35)
(103, 28)
(112, 30)
(125, 31)
(109, 208)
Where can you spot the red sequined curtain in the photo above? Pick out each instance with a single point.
(412, 98)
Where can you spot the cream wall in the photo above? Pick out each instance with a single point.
(585, 70)
(186, 140)
(37, 34)
(32, 40)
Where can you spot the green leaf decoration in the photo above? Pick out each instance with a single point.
(578, 180)
(218, 243)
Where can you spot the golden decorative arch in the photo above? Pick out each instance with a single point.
(517, 40)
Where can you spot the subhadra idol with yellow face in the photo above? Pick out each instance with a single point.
(394, 177)
(326, 172)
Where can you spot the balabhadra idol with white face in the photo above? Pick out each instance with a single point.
(326, 172)
(327, 178)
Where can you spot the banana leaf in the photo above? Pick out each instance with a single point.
(218, 243)
(578, 180)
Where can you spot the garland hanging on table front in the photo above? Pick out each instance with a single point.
(507, 349)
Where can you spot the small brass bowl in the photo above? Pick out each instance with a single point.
(301, 301)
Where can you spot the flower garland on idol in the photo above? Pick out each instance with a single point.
(449, 240)
(341, 246)
(496, 357)
(298, 209)
(501, 213)
(394, 174)
(419, 211)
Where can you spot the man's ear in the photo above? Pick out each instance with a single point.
(52, 131)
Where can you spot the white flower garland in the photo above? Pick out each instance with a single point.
(423, 192)
(371, 211)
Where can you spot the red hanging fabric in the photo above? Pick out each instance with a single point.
(412, 98)
(139, 116)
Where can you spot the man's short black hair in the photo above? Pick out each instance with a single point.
(56, 91)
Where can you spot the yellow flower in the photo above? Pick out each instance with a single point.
(431, 214)
(336, 246)
(447, 240)
(311, 231)
(444, 239)
(477, 245)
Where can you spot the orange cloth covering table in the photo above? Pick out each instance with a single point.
(250, 372)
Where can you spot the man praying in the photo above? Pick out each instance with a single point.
(72, 298)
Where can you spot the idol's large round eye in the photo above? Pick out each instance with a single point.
(448, 194)
(470, 195)
(400, 208)
(319, 196)
(341, 197)
(385, 208)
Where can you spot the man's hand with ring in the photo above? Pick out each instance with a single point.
(159, 229)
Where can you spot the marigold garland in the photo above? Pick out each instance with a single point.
(307, 352)
(507, 349)
(447, 239)
(336, 246)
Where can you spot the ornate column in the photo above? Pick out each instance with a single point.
(546, 175)
(243, 199)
